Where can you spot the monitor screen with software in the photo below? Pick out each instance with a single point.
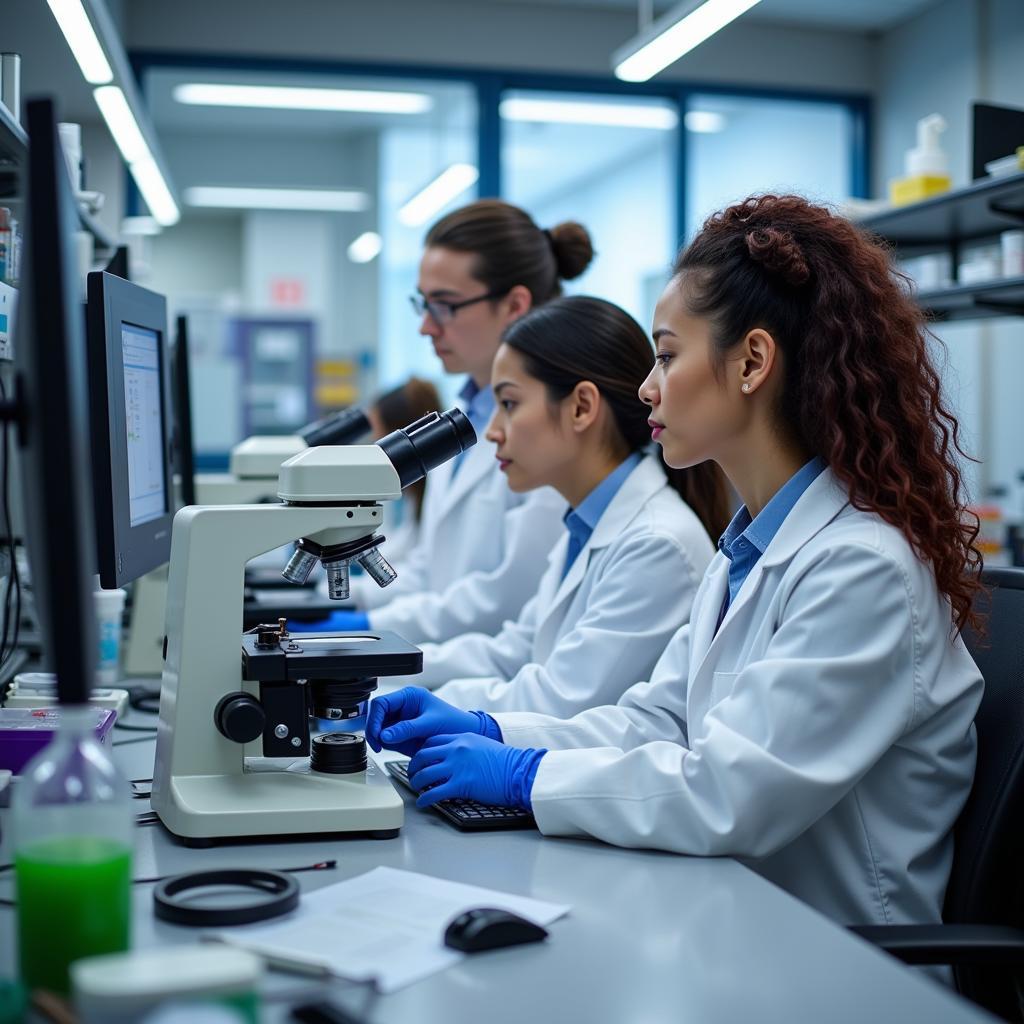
(130, 412)
(144, 424)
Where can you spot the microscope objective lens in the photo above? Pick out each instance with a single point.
(299, 566)
(377, 567)
(337, 580)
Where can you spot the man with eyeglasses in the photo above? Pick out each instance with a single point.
(482, 549)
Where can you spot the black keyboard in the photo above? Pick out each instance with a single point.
(469, 815)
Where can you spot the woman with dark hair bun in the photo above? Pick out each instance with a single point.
(815, 718)
(482, 549)
(621, 580)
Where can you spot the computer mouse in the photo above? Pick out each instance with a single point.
(490, 928)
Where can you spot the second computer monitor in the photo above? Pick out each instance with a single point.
(130, 410)
(185, 462)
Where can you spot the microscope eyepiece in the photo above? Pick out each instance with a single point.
(345, 427)
(420, 447)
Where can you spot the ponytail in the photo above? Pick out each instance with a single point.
(510, 249)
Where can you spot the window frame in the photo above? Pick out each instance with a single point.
(490, 86)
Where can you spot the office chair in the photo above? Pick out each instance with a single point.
(983, 937)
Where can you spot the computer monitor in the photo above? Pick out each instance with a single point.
(52, 397)
(130, 413)
(185, 463)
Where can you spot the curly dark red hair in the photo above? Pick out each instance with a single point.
(861, 389)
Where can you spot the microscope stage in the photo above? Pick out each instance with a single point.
(330, 656)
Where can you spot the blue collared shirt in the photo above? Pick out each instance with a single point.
(745, 541)
(581, 522)
(478, 405)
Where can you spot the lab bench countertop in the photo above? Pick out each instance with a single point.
(651, 937)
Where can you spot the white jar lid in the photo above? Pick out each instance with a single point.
(153, 974)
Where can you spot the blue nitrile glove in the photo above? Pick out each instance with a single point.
(476, 767)
(337, 622)
(403, 720)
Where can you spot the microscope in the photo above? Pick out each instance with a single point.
(252, 477)
(235, 754)
(254, 462)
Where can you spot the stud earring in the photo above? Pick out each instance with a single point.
(746, 387)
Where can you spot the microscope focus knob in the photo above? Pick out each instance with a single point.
(240, 717)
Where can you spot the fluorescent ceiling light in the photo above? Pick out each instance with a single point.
(323, 200)
(673, 35)
(155, 191)
(121, 122)
(294, 98)
(705, 121)
(136, 153)
(449, 184)
(81, 37)
(617, 115)
(365, 248)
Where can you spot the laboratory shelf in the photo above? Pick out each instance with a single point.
(13, 140)
(13, 154)
(981, 210)
(13, 149)
(1000, 297)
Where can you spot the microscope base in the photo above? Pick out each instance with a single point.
(294, 801)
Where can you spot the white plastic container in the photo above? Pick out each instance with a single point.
(10, 83)
(981, 264)
(39, 690)
(71, 143)
(1011, 246)
(109, 606)
(123, 988)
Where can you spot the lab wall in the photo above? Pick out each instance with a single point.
(564, 38)
(198, 263)
(939, 61)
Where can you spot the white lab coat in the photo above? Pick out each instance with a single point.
(582, 640)
(481, 553)
(825, 734)
(403, 538)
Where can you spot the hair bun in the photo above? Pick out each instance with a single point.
(778, 252)
(573, 249)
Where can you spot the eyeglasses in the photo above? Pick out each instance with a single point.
(444, 312)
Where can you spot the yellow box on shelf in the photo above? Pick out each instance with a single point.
(329, 396)
(922, 186)
(336, 383)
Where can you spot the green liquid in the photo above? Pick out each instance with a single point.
(74, 900)
(247, 1004)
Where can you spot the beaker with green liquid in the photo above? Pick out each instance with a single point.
(72, 830)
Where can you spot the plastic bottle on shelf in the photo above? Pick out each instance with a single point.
(926, 168)
(1011, 244)
(72, 841)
